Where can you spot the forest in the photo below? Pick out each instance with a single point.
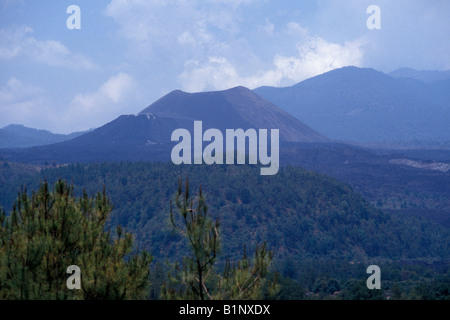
(321, 234)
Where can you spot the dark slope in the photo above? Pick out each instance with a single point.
(234, 108)
(129, 137)
(147, 135)
(383, 176)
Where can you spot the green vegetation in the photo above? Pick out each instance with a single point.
(198, 278)
(51, 231)
(323, 234)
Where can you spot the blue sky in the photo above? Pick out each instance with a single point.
(129, 53)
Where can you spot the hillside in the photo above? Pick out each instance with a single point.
(19, 136)
(403, 181)
(147, 135)
(238, 107)
(365, 105)
(300, 213)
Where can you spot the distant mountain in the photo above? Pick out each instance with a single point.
(19, 136)
(147, 135)
(363, 105)
(422, 75)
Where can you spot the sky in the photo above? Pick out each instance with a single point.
(129, 53)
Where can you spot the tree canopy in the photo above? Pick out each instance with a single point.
(52, 230)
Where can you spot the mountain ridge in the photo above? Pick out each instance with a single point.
(363, 105)
(20, 136)
(235, 103)
(147, 135)
(428, 76)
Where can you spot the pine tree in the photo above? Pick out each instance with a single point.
(52, 230)
(197, 277)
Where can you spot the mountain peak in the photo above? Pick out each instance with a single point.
(352, 71)
(184, 105)
(363, 104)
(237, 107)
(237, 89)
(14, 126)
(240, 91)
(175, 94)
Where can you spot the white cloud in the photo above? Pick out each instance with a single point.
(295, 29)
(22, 103)
(314, 57)
(186, 38)
(207, 46)
(155, 26)
(267, 29)
(216, 73)
(113, 98)
(19, 43)
(9, 3)
(15, 89)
